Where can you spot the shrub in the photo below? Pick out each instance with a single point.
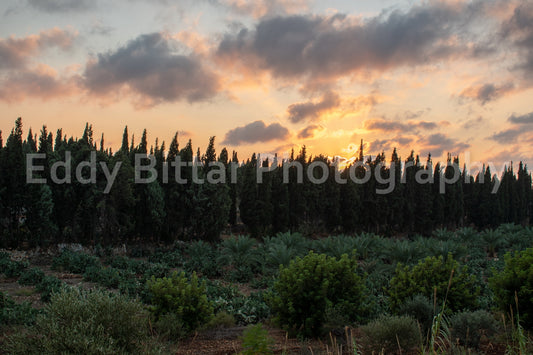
(31, 276)
(48, 286)
(309, 285)
(433, 274)
(170, 327)
(221, 320)
(74, 262)
(255, 340)
(187, 299)
(11, 268)
(468, 327)
(391, 334)
(202, 258)
(516, 278)
(12, 313)
(420, 308)
(105, 276)
(81, 322)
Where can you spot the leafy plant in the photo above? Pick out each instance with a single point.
(48, 286)
(255, 341)
(186, 298)
(431, 278)
(31, 276)
(74, 262)
(469, 327)
(82, 322)
(516, 279)
(390, 334)
(12, 313)
(309, 285)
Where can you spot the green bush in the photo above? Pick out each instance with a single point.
(309, 286)
(468, 327)
(390, 334)
(74, 262)
(220, 320)
(170, 327)
(105, 276)
(420, 308)
(176, 294)
(31, 276)
(202, 258)
(12, 313)
(48, 286)
(256, 341)
(516, 278)
(80, 322)
(432, 274)
(11, 268)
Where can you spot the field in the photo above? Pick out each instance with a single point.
(446, 294)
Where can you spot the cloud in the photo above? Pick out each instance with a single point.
(150, 68)
(380, 124)
(261, 8)
(486, 92)
(521, 124)
(507, 136)
(519, 31)
(310, 111)
(326, 48)
(473, 122)
(41, 82)
(256, 132)
(16, 52)
(379, 145)
(310, 131)
(523, 119)
(54, 6)
(437, 143)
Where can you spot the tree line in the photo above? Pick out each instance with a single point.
(41, 214)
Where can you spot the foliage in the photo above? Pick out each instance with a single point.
(82, 322)
(186, 298)
(170, 327)
(468, 327)
(202, 258)
(221, 320)
(31, 276)
(309, 285)
(435, 277)
(255, 340)
(11, 268)
(12, 313)
(421, 309)
(391, 334)
(48, 286)
(74, 262)
(516, 280)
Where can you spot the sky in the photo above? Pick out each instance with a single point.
(432, 76)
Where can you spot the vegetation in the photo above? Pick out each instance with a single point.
(435, 278)
(513, 286)
(84, 322)
(173, 207)
(310, 285)
(184, 298)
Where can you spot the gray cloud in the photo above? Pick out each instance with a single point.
(310, 131)
(326, 48)
(522, 119)
(486, 92)
(437, 143)
(36, 83)
(389, 126)
(149, 66)
(53, 6)
(16, 52)
(380, 145)
(312, 110)
(256, 132)
(519, 30)
(507, 136)
(473, 122)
